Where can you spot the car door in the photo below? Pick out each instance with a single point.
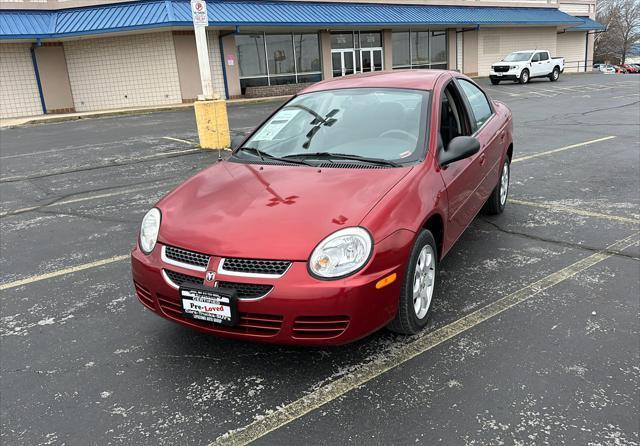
(545, 63)
(535, 65)
(461, 178)
(490, 131)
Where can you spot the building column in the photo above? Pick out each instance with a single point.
(387, 49)
(325, 54)
(54, 78)
(231, 66)
(452, 47)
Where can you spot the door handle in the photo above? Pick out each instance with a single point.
(502, 135)
(483, 159)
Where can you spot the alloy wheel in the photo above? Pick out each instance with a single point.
(424, 281)
(504, 184)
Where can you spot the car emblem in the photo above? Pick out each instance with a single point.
(210, 276)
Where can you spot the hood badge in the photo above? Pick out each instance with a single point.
(210, 276)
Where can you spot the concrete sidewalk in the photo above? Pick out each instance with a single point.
(44, 119)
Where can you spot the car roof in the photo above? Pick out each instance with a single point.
(412, 79)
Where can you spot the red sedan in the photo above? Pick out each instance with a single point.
(330, 220)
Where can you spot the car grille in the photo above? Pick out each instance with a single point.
(246, 290)
(179, 278)
(500, 68)
(256, 266)
(243, 290)
(185, 256)
(319, 327)
(249, 323)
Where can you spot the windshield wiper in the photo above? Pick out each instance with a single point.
(342, 156)
(262, 155)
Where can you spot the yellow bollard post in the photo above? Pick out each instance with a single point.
(213, 124)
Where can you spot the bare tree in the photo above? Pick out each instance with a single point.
(622, 19)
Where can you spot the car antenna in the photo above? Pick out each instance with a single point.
(219, 155)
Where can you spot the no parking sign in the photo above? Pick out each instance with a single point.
(199, 13)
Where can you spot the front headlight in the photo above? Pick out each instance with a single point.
(342, 253)
(513, 67)
(149, 230)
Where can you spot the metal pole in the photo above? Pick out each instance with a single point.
(203, 62)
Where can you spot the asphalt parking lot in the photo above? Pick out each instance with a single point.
(533, 338)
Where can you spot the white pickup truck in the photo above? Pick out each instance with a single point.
(521, 66)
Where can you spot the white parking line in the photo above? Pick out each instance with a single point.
(62, 272)
(571, 210)
(87, 198)
(185, 141)
(572, 146)
(400, 355)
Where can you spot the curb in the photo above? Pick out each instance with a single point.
(51, 119)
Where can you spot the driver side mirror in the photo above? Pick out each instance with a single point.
(459, 148)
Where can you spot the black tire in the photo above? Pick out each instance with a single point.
(524, 78)
(495, 81)
(555, 74)
(495, 205)
(406, 320)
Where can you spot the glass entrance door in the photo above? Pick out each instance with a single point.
(371, 59)
(343, 62)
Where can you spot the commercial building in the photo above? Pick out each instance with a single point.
(85, 55)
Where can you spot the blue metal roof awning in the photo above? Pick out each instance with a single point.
(147, 14)
(588, 25)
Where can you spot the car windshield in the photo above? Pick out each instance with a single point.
(517, 57)
(356, 124)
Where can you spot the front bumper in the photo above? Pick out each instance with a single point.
(509, 76)
(299, 309)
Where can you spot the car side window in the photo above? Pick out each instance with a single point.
(478, 102)
(453, 118)
(536, 58)
(543, 56)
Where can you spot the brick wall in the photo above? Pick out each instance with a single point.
(495, 43)
(274, 90)
(18, 87)
(125, 71)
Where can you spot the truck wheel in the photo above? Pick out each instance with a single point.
(555, 74)
(498, 199)
(524, 76)
(495, 81)
(419, 286)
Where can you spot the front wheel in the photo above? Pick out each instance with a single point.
(555, 74)
(419, 286)
(498, 198)
(524, 76)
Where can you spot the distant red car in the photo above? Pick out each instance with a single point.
(629, 68)
(329, 221)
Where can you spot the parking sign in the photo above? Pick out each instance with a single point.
(199, 13)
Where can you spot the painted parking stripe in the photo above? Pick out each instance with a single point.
(86, 198)
(561, 149)
(571, 210)
(62, 272)
(399, 355)
(185, 141)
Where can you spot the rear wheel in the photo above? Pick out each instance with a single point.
(555, 74)
(495, 81)
(524, 76)
(419, 286)
(498, 199)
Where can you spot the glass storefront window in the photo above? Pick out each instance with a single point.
(420, 49)
(276, 59)
(370, 40)
(307, 52)
(438, 47)
(280, 54)
(341, 40)
(401, 52)
(251, 56)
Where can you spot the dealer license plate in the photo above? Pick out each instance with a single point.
(216, 305)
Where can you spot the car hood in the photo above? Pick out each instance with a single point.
(270, 212)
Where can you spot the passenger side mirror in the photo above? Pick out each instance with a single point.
(459, 148)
